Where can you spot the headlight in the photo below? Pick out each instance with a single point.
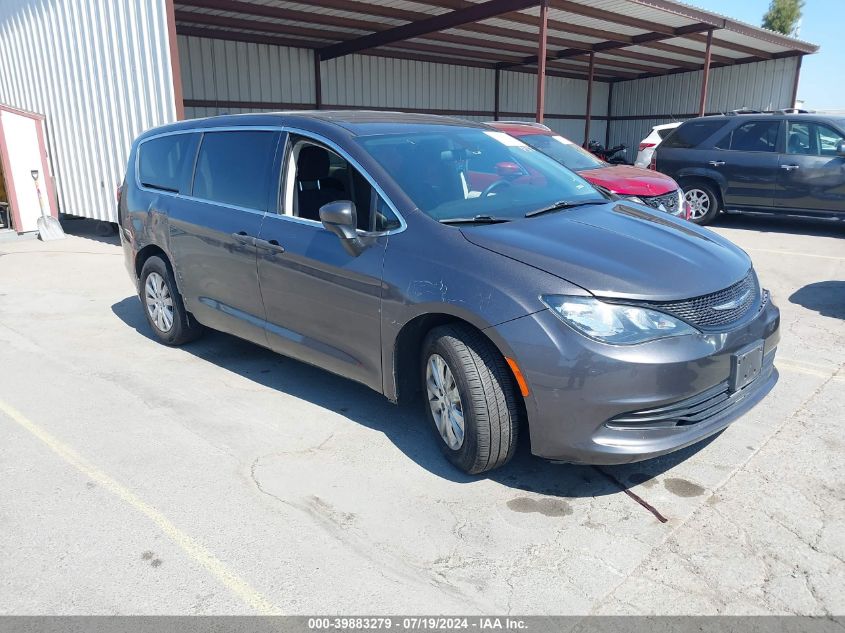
(636, 199)
(614, 323)
(681, 206)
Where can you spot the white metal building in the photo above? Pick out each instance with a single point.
(102, 71)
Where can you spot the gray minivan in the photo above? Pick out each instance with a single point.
(422, 254)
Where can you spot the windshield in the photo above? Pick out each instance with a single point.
(563, 151)
(455, 173)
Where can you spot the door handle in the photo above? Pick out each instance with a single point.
(242, 238)
(270, 245)
(789, 167)
(716, 163)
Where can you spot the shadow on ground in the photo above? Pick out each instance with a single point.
(825, 297)
(96, 230)
(404, 425)
(779, 224)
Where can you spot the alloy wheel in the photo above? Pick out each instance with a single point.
(159, 302)
(699, 203)
(445, 401)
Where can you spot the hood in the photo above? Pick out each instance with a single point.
(620, 250)
(630, 181)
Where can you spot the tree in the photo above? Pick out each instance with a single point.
(783, 16)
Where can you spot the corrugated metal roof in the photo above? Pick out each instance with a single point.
(632, 38)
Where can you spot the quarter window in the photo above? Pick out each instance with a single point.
(692, 133)
(165, 162)
(235, 168)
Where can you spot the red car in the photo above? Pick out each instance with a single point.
(638, 185)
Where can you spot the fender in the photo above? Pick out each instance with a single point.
(488, 290)
(705, 173)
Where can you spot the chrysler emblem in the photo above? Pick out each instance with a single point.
(733, 303)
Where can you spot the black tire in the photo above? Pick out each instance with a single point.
(184, 328)
(695, 188)
(487, 397)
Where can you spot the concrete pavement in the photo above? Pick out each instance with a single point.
(222, 478)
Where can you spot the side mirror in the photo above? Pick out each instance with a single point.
(840, 148)
(341, 219)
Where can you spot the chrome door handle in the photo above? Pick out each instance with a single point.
(716, 163)
(789, 167)
(270, 245)
(242, 238)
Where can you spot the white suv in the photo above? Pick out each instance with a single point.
(650, 143)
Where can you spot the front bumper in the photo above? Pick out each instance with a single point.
(595, 403)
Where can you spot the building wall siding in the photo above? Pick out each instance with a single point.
(100, 72)
(235, 77)
(760, 86)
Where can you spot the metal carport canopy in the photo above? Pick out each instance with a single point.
(594, 40)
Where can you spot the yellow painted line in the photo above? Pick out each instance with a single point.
(196, 551)
(806, 363)
(778, 252)
(780, 364)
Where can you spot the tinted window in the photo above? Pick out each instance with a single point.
(691, 133)
(165, 162)
(798, 139)
(235, 167)
(665, 132)
(812, 139)
(755, 136)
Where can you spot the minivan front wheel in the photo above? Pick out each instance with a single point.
(703, 202)
(470, 400)
(163, 305)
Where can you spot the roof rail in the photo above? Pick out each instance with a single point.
(743, 111)
(792, 111)
(528, 123)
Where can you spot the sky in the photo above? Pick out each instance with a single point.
(822, 84)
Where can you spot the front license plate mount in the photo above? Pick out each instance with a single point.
(746, 366)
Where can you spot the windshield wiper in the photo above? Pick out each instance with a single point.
(561, 205)
(478, 219)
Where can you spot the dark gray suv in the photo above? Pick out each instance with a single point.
(420, 254)
(786, 164)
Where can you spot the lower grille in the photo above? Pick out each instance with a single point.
(694, 410)
(669, 201)
(717, 309)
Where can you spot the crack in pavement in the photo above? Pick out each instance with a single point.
(802, 407)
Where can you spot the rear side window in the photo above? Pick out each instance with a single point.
(664, 132)
(165, 162)
(691, 133)
(754, 136)
(235, 168)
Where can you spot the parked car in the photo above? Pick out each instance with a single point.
(639, 185)
(425, 255)
(647, 146)
(785, 164)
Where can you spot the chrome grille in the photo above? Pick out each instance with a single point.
(668, 200)
(718, 309)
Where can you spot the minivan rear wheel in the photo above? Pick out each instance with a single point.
(703, 200)
(469, 398)
(163, 306)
